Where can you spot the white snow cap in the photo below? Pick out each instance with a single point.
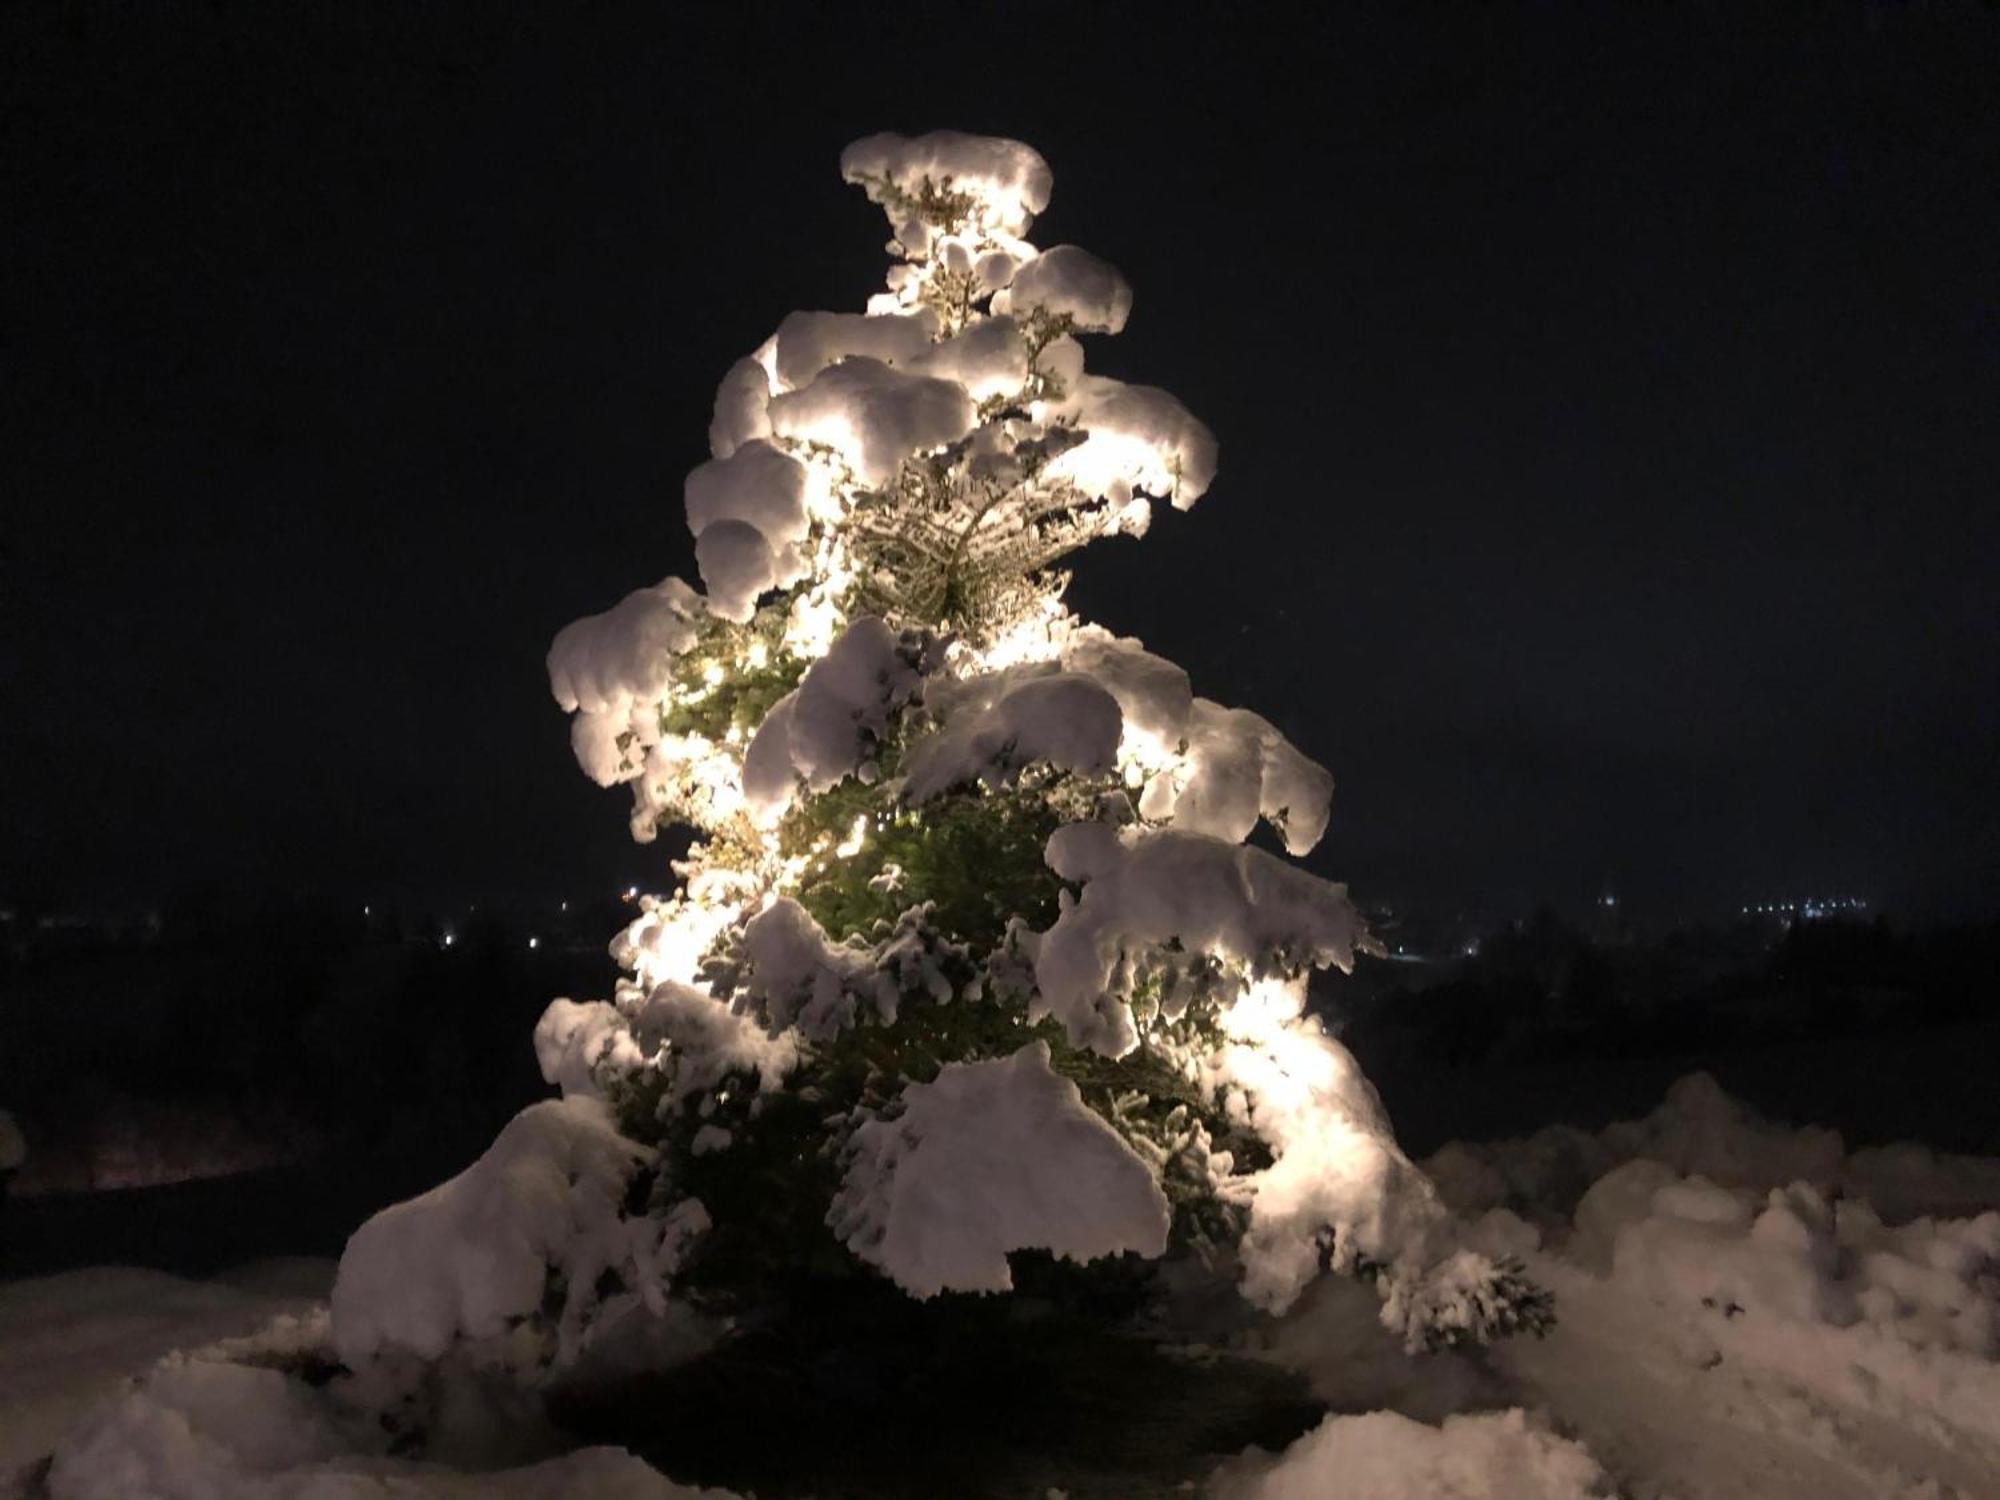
(706, 1041)
(989, 359)
(1152, 693)
(1146, 888)
(823, 730)
(1068, 281)
(1239, 768)
(608, 661)
(996, 724)
(738, 563)
(770, 777)
(747, 512)
(740, 403)
(802, 978)
(758, 484)
(874, 416)
(810, 341)
(797, 979)
(575, 1041)
(1008, 181)
(1141, 438)
(988, 1158)
(1336, 1166)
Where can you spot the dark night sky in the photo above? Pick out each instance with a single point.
(1606, 395)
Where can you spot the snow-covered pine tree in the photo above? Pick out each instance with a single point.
(969, 955)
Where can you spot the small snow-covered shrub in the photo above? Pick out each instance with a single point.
(540, 1224)
(969, 956)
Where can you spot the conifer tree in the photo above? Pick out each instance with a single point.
(970, 955)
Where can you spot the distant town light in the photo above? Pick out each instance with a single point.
(534, 942)
(450, 937)
(1809, 908)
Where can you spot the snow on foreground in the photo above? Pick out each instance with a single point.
(1384, 1456)
(1746, 1310)
(66, 1339)
(88, 1369)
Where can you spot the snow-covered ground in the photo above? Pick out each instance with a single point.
(1745, 1310)
(66, 1341)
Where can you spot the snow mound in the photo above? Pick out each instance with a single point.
(1383, 1456)
(473, 1257)
(1007, 182)
(68, 1340)
(1794, 1255)
(988, 1158)
(1699, 1130)
(1723, 1275)
(203, 1427)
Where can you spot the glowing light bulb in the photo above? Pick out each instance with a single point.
(712, 674)
(758, 656)
(850, 846)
